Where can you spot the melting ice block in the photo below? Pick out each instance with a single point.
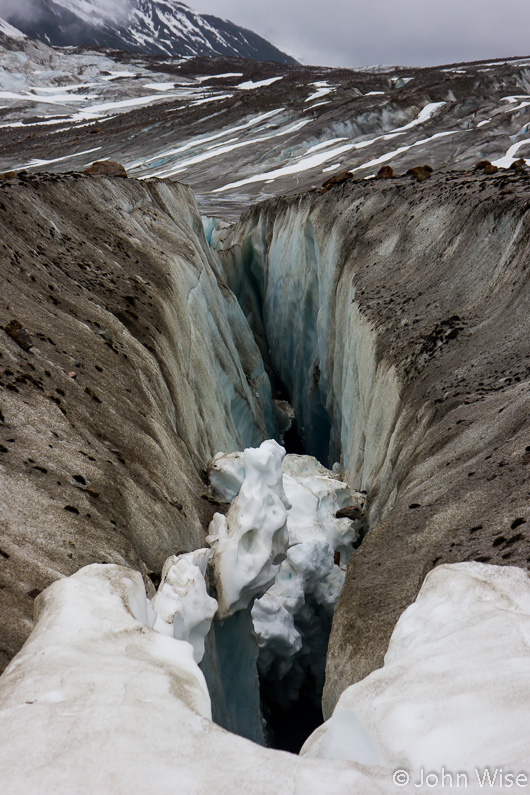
(308, 583)
(454, 691)
(182, 606)
(249, 543)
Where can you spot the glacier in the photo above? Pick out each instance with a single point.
(384, 323)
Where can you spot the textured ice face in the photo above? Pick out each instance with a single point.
(454, 689)
(249, 543)
(182, 606)
(308, 583)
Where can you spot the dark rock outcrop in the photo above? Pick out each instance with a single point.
(385, 172)
(337, 179)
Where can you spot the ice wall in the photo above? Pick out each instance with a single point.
(289, 277)
(127, 296)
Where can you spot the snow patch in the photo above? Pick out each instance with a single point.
(250, 84)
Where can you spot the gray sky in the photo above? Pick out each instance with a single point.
(366, 32)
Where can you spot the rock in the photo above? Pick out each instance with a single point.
(385, 172)
(337, 179)
(105, 168)
(17, 332)
(482, 165)
(518, 164)
(353, 512)
(420, 173)
(90, 392)
(8, 175)
(490, 169)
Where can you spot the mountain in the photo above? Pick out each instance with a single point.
(157, 27)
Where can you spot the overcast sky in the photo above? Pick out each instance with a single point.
(367, 32)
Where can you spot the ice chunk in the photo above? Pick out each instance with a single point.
(182, 606)
(275, 630)
(227, 473)
(250, 542)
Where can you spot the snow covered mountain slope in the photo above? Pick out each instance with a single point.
(159, 27)
(9, 31)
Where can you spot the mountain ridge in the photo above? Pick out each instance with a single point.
(156, 27)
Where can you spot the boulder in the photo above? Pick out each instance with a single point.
(337, 179)
(105, 168)
(420, 173)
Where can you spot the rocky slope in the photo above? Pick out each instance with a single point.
(157, 27)
(103, 437)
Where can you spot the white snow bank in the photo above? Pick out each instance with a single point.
(322, 89)
(92, 629)
(218, 77)
(454, 692)
(8, 30)
(424, 115)
(96, 702)
(249, 543)
(182, 606)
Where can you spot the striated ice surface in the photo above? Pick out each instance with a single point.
(454, 690)
(182, 606)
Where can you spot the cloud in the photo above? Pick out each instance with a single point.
(21, 7)
(362, 32)
(116, 10)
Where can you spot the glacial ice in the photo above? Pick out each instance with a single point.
(249, 543)
(454, 690)
(97, 700)
(182, 605)
(307, 585)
